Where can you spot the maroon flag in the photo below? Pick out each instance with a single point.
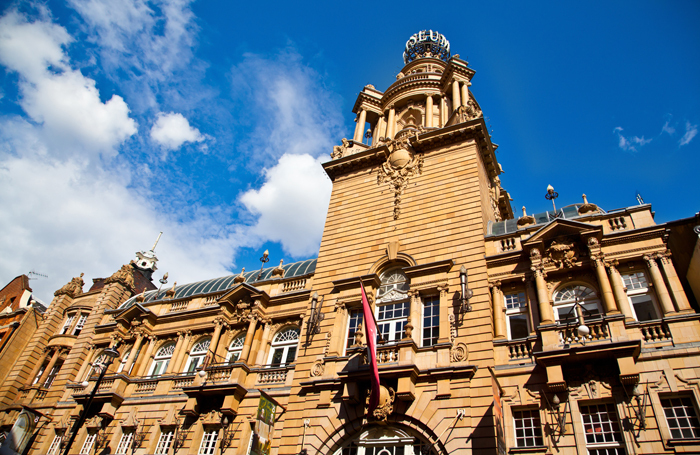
(371, 333)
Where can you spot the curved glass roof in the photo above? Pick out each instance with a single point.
(295, 269)
(569, 212)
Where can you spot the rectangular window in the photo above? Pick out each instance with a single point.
(516, 314)
(79, 326)
(528, 431)
(635, 281)
(55, 445)
(52, 374)
(208, 444)
(602, 429)
(38, 374)
(391, 320)
(431, 320)
(681, 417)
(355, 319)
(164, 442)
(67, 324)
(640, 296)
(125, 443)
(87, 445)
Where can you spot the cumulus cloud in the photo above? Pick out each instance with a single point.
(171, 130)
(631, 143)
(668, 129)
(291, 204)
(690, 132)
(65, 103)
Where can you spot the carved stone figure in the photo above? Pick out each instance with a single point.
(339, 150)
(73, 288)
(125, 276)
(562, 254)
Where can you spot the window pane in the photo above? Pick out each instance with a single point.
(356, 318)
(528, 431)
(644, 308)
(291, 355)
(431, 318)
(277, 356)
(518, 326)
(681, 417)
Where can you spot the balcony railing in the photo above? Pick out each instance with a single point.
(655, 331)
(520, 349)
(146, 387)
(274, 375)
(294, 285)
(598, 331)
(185, 381)
(178, 306)
(385, 354)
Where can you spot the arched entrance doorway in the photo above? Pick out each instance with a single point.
(387, 440)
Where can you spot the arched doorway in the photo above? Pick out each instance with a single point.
(387, 440)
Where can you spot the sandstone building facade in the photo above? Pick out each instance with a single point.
(567, 331)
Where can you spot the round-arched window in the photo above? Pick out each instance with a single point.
(387, 441)
(235, 349)
(197, 354)
(565, 303)
(284, 347)
(394, 286)
(393, 305)
(162, 359)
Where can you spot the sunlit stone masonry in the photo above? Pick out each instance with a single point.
(568, 331)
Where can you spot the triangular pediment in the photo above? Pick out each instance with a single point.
(135, 311)
(243, 294)
(563, 228)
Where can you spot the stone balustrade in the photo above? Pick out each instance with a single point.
(294, 285)
(598, 331)
(273, 375)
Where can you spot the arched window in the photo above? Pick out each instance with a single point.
(284, 347)
(197, 355)
(393, 305)
(123, 360)
(565, 303)
(235, 349)
(162, 359)
(387, 441)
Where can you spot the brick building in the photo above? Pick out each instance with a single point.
(567, 331)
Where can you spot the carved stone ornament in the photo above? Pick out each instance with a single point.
(339, 150)
(459, 353)
(73, 288)
(563, 254)
(279, 270)
(124, 275)
(317, 368)
(535, 253)
(468, 112)
(130, 421)
(94, 423)
(170, 293)
(211, 418)
(240, 278)
(400, 166)
(386, 403)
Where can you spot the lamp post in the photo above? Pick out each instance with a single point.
(551, 196)
(264, 260)
(111, 354)
(466, 293)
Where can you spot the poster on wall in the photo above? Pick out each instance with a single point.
(21, 433)
(264, 425)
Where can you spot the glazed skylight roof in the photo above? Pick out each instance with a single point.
(570, 212)
(295, 269)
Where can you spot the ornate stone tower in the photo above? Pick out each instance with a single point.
(408, 210)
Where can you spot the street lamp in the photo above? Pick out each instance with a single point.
(551, 196)
(110, 354)
(466, 293)
(264, 260)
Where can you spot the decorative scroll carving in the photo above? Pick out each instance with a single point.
(73, 288)
(125, 276)
(400, 166)
(317, 368)
(459, 353)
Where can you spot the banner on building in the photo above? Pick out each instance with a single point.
(21, 433)
(264, 425)
(498, 415)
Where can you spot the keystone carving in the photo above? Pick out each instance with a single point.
(386, 403)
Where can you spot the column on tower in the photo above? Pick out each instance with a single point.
(456, 102)
(428, 110)
(391, 123)
(360, 127)
(658, 281)
(674, 284)
(465, 93)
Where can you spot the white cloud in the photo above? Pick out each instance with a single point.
(171, 130)
(66, 104)
(667, 128)
(291, 204)
(690, 132)
(629, 144)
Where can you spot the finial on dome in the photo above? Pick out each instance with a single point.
(426, 43)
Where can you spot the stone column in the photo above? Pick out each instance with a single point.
(456, 102)
(260, 357)
(391, 123)
(499, 315)
(219, 324)
(676, 288)
(604, 284)
(249, 338)
(444, 115)
(147, 357)
(184, 354)
(35, 371)
(465, 93)
(428, 111)
(444, 329)
(378, 129)
(83, 367)
(618, 287)
(658, 282)
(133, 353)
(546, 313)
(416, 319)
(360, 127)
(49, 367)
(177, 353)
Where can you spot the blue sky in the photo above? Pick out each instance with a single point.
(209, 120)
